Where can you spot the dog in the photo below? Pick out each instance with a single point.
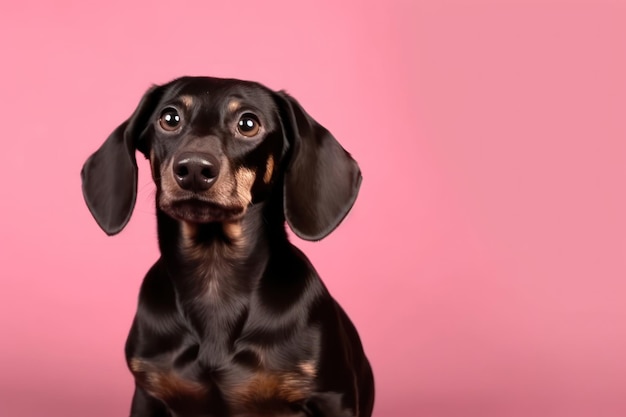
(232, 319)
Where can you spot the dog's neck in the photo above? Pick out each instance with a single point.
(215, 267)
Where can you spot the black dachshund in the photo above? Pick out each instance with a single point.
(232, 319)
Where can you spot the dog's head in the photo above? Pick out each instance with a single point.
(217, 146)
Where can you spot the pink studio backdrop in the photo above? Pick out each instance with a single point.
(484, 262)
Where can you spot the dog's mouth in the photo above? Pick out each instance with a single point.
(196, 210)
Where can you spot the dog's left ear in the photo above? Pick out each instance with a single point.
(110, 175)
(321, 181)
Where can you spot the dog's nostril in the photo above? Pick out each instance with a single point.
(208, 173)
(182, 171)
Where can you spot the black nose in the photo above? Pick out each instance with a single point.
(196, 171)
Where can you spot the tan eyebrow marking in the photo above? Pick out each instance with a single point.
(187, 101)
(234, 105)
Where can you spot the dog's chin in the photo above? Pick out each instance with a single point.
(202, 212)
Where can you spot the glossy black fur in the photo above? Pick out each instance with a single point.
(233, 320)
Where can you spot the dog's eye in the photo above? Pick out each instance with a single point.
(170, 119)
(248, 125)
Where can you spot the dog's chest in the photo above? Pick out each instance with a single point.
(196, 389)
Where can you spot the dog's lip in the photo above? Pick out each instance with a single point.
(198, 210)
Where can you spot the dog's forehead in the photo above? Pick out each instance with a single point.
(218, 93)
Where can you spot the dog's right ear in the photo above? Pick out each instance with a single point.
(109, 176)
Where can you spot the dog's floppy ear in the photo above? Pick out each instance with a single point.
(321, 181)
(109, 176)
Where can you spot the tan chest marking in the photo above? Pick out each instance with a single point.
(268, 386)
(165, 384)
